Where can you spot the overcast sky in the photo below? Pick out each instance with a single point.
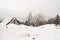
(21, 8)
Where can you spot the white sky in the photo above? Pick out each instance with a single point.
(21, 8)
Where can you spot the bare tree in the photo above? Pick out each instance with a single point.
(35, 21)
(28, 21)
(38, 20)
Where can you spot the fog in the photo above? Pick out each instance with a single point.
(21, 8)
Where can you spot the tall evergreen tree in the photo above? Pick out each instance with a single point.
(56, 21)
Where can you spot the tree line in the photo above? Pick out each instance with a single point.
(39, 19)
(55, 20)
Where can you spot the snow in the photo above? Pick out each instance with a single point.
(6, 20)
(23, 32)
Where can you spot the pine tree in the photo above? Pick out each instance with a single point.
(56, 21)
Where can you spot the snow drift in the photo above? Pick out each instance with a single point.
(23, 32)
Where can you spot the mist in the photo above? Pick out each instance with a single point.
(21, 8)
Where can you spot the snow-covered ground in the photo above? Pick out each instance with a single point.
(23, 32)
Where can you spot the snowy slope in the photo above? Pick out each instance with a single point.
(23, 32)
